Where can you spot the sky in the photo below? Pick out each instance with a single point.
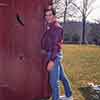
(96, 12)
(94, 15)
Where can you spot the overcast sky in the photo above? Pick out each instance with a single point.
(94, 15)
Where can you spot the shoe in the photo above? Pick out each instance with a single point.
(62, 98)
(70, 98)
(66, 98)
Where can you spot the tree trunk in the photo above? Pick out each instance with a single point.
(83, 30)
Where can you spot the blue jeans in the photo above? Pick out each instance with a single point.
(57, 74)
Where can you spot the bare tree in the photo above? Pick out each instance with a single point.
(67, 4)
(63, 8)
(75, 9)
(85, 8)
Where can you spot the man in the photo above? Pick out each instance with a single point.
(51, 43)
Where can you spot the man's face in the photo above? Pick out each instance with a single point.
(49, 16)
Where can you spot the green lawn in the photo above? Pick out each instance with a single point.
(82, 65)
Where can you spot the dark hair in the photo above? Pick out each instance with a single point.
(53, 11)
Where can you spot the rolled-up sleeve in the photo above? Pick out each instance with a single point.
(57, 38)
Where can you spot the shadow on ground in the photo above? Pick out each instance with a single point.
(89, 94)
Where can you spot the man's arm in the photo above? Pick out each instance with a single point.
(57, 42)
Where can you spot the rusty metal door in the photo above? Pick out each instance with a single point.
(23, 74)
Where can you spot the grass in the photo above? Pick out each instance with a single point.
(82, 65)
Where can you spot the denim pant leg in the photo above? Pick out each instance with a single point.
(58, 74)
(54, 80)
(63, 76)
(65, 81)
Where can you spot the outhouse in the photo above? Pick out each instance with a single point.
(23, 74)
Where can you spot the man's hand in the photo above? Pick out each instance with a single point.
(50, 65)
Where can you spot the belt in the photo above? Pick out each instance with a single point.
(43, 51)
